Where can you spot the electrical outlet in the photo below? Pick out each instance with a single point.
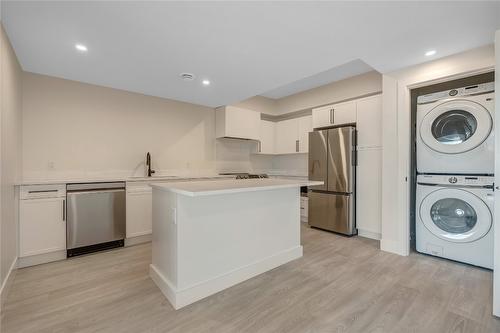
(51, 165)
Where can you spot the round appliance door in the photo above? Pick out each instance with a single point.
(456, 126)
(455, 215)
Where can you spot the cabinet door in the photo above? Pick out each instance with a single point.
(322, 117)
(344, 113)
(369, 191)
(242, 123)
(287, 136)
(139, 210)
(369, 122)
(42, 226)
(305, 126)
(267, 129)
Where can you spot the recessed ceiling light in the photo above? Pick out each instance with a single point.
(430, 53)
(187, 76)
(81, 47)
(206, 82)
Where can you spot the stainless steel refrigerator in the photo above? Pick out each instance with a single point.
(332, 159)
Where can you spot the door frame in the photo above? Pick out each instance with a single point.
(396, 171)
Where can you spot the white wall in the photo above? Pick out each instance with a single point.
(396, 134)
(10, 157)
(365, 84)
(296, 164)
(72, 129)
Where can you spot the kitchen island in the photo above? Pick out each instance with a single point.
(211, 235)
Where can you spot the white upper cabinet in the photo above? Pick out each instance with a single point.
(287, 136)
(322, 117)
(369, 122)
(234, 122)
(267, 137)
(305, 126)
(344, 113)
(336, 114)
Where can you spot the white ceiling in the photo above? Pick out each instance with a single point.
(244, 48)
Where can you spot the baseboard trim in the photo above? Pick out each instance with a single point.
(138, 240)
(391, 246)
(41, 259)
(7, 283)
(182, 297)
(369, 234)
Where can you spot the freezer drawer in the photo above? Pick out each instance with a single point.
(95, 216)
(333, 212)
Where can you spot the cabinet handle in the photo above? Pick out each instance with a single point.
(64, 210)
(332, 116)
(259, 146)
(297, 146)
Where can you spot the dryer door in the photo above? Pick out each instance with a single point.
(456, 126)
(455, 215)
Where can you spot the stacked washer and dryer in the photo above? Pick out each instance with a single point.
(455, 166)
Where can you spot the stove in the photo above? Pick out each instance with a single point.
(245, 175)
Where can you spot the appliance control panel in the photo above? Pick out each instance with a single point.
(456, 180)
(464, 91)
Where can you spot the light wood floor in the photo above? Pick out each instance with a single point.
(340, 285)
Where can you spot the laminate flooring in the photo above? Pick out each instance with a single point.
(339, 285)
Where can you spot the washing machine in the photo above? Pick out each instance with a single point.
(454, 218)
(455, 131)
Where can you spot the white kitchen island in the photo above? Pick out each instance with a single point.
(210, 235)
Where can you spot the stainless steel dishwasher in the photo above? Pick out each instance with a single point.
(95, 217)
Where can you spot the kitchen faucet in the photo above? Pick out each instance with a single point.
(148, 164)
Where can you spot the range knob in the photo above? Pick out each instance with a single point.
(453, 180)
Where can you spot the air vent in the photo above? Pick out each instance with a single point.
(187, 76)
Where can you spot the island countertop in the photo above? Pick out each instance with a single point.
(215, 187)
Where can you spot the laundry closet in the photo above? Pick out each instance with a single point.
(452, 157)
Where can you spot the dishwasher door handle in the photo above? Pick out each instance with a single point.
(94, 191)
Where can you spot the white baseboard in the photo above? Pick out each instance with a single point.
(369, 234)
(138, 240)
(391, 246)
(7, 283)
(41, 259)
(180, 298)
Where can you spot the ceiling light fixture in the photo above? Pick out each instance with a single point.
(81, 47)
(206, 82)
(430, 53)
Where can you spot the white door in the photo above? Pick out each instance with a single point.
(42, 226)
(267, 131)
(369, 122)
(455, 215)
(305, 126)
(139, 210)
(322, 117)
(344, 113)
(496, 268)
(455, 127)
(369, 192)
(287, 136)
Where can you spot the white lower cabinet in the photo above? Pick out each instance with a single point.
(369, 193)
(139, 209)
(42, 220)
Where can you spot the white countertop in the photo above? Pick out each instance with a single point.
(215, 187)
(112, 179)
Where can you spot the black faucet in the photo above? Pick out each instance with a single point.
(148, 163)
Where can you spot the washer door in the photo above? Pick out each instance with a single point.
(455, 126)
(455, 215)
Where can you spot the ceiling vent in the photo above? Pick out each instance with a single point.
(187, 76)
